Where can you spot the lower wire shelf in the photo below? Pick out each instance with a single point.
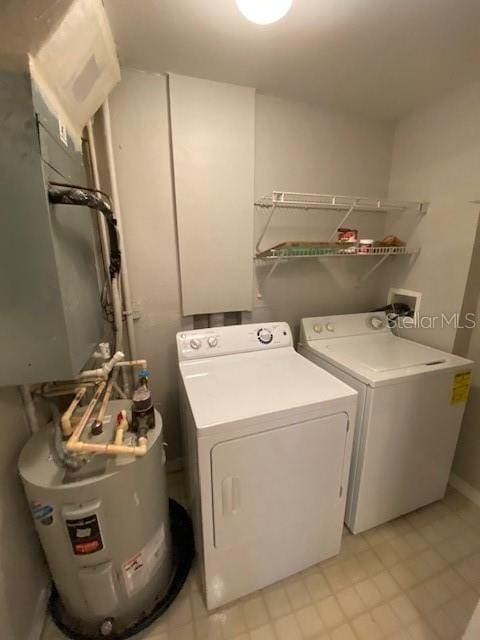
(293, 253)
(274, 257)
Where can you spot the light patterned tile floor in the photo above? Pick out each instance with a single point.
(416, 578)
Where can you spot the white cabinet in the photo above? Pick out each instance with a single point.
(213, 136)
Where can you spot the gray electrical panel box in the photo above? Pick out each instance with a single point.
(50, 310)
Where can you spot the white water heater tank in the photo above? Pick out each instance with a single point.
(104, 528)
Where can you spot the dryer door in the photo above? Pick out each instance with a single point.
(281, 485)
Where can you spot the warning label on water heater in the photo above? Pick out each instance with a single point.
(138, 569)
(85, 535)
(134, 574)
(461, 387)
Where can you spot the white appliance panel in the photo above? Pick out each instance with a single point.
(268, 452)
(407, 421)
(278, 484)
(410, 435)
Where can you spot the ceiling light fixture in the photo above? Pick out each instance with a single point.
(264, 11)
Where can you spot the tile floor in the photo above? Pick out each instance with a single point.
(416, 578)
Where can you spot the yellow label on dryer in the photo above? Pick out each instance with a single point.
(461, 387)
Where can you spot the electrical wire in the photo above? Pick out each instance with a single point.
(68, 194)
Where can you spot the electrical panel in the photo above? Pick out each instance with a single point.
(51, 315)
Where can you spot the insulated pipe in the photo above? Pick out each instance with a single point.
(29, 406)
(77, 432)
(66, 420)
(127, 296)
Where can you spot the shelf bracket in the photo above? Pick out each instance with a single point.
(373, 269)
(261, 283)
(342, 221)
(264, 230)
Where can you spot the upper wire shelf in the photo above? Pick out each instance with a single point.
(296, 200)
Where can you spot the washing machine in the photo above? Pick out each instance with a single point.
(268, 437)
(411, 403)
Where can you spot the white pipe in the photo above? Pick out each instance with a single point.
(101, 220)
(77, 432)
(66, 419)
(127, 296)
(106, 398)
(110, 449)
(132, 363)
(117, 313)
(104, 371)
(75, 445)
(30, 410)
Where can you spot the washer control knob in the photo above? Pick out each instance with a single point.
(195, 343)
(377, 323)
(330, 326)
(212, 341)
(265, 336)
(317, 328)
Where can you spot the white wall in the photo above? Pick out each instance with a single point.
(23, 575)
(306, 148)
(436, 157)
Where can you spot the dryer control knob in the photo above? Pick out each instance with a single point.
(317, 328)
(212, 341)
(265, 336)
(195, 343)
(330, 326)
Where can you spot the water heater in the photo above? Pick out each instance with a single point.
(104, 528)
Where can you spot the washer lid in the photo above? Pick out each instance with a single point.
(385, 352)
(383, 357)
(250, 385)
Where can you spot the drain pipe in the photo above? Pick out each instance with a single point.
(127, 296)
(29, 406)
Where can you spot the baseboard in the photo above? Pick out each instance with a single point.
(174, 465)
(465, 489)
(40, 613)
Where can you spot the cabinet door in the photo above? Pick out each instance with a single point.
(280, 484)
(213, 136)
